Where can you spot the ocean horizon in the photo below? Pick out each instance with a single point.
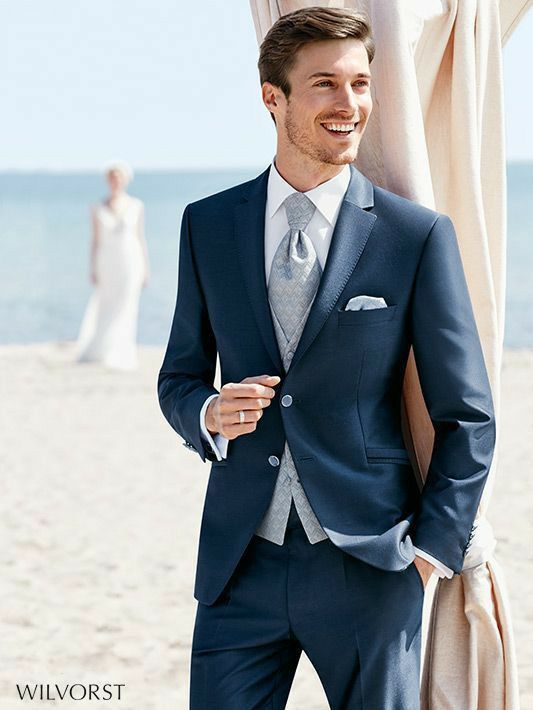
(45, 239)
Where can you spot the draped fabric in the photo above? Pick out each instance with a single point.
(436, 136)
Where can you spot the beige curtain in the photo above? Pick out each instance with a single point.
(437, 136)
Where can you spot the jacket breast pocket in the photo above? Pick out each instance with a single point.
(366, 316)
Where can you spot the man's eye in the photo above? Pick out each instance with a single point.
(362, 82)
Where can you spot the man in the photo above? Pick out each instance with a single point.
(314, 533)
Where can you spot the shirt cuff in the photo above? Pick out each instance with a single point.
(218, 443)
(440, 569)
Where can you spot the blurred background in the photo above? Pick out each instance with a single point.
(100, 504)
(175, 92)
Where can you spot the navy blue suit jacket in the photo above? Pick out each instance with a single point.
(345, 378)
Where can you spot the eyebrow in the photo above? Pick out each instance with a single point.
(332, 74)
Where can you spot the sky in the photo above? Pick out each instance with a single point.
(164, 85)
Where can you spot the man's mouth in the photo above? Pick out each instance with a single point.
(339, 129)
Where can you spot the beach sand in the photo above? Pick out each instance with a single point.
(100, 516)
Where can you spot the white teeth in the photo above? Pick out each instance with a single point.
(344, 127)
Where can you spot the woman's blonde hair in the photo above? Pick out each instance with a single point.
(121, 166)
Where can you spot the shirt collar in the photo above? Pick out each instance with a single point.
(326, 197)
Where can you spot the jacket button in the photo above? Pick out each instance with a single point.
(273, 460)
(286, 400)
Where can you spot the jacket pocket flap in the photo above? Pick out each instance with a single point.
(379, 452)
(365, 315)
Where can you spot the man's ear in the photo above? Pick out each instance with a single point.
(271, 96)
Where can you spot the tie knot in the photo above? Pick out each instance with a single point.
(299, 209)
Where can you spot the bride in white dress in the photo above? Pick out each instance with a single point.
(119, 270)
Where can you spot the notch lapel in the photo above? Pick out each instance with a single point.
(250, 235)
(351, 233)
(348, 241)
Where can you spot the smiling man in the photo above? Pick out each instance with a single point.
(312, 285)
(324, 109)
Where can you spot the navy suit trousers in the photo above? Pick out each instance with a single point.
(360, 627)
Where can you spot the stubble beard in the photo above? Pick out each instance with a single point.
(314, 151)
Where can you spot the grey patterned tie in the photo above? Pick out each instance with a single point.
(292, 285)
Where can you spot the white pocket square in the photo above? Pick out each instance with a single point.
(359, 303)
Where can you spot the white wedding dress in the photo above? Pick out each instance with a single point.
(108, 331)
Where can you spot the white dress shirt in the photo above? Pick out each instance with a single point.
(327, 199)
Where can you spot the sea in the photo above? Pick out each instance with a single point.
(45, 238)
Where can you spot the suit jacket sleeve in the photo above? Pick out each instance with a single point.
(457, 394)
(188, 370)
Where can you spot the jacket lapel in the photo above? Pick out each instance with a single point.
(250, 235)
(352, 229)
(349, 238)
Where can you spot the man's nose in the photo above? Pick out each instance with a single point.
(347, 101)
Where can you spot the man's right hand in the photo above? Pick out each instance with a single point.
(251, 395)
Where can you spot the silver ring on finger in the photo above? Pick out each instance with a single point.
(241, 416)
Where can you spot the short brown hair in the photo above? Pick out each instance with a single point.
(278, 50)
